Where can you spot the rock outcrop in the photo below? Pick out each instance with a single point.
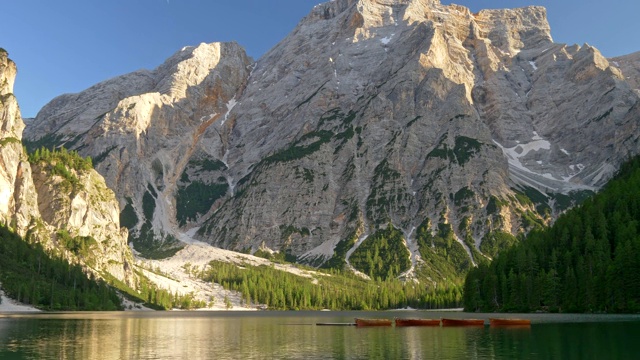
(17, 206)
(38, 202)
(427, 117)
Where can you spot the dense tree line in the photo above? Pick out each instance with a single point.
(588, 261)
(68, 158)
(332, 290)
(31, 275)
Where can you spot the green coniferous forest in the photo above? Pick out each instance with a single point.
(32, 276)
(334, 290)
(588, 261)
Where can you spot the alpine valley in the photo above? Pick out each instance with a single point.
(394, 139)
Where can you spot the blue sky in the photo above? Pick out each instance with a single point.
(63, 46)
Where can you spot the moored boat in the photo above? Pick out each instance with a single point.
(462, 322)
(373, 322)
(417, 322)
(509, 322)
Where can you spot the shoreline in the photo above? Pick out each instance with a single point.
(8, 305)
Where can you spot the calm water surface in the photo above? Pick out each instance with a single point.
(294, 335)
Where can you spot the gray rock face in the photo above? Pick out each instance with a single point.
(36, 203)
(630, 67)
(370, 113)
(146, 126)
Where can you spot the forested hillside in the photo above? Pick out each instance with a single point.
(335, 290)
(32, 276)
(588, 261)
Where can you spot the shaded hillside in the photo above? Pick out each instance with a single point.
(31, 275)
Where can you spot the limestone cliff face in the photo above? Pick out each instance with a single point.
(18, 206)
(370, 113)
(146, 126)
(37, 202)
(88, 212)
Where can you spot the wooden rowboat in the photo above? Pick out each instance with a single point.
(373, 322)
(417, 322)
(462, 322)
(509, 322)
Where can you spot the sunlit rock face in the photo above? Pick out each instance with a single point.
(369, 114)
(37, 204)
(143, 129)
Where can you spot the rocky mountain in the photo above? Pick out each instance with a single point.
(145, 128)
(52, 200)
(456, 130)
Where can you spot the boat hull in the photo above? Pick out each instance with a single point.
(372, 322)
(417, 322)
(509, 322)
(462, 322)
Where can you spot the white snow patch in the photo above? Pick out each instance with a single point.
(385, 40)
(533, 65)
(565, 152)
(536, 136)
(230, 105)
(521, 150)
(616, 63)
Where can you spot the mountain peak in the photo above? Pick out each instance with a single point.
(509, 29)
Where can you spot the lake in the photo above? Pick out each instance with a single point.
(294, 335)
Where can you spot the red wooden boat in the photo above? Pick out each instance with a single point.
(373, 322)
(510, 322)
(462, 322)
(417, 322)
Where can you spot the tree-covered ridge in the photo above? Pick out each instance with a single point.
(334, 290)
(62, 162)
(31, 275)
(70, 159)
(588, 261)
